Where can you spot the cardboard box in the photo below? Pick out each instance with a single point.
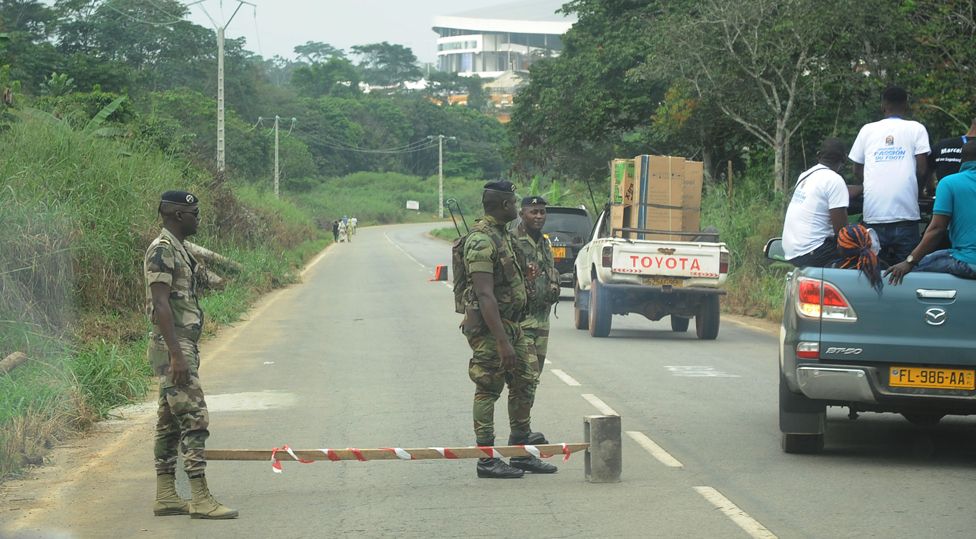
(622, 192)
(668, 196)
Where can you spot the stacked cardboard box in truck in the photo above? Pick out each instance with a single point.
(621, 192)
(665, 195)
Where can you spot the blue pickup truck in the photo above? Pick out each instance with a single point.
(910, 349)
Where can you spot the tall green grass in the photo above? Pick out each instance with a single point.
(746, 222)
(77, 214)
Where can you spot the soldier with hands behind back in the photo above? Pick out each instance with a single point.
(177, 320)
(493, 299)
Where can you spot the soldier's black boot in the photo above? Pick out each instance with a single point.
(530, 463)
(496, 468)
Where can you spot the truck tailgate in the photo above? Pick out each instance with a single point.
(928, 319)
(668, 258)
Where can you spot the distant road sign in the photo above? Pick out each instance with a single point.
(413, 205)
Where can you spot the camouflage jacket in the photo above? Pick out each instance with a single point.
(544, 290)
(167, 261)
(505, 265)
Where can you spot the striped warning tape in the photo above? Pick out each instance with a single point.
(387, 453)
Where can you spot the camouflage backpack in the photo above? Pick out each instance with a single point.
(463, 292)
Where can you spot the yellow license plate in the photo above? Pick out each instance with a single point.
(932, 378)
(662, 281)
(559, 252)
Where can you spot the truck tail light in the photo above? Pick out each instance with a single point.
(808, 350)
(818, 299)
(723, 263)
(607, 256)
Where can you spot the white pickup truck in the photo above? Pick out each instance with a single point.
(680, 279)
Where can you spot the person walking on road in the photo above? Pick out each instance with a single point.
(354, 223)
(343, 235)
(494, 303)
(335, 231)
(177, 320)
(890, 159)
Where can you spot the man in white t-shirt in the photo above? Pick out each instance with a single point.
(890, 160)
(818, 209)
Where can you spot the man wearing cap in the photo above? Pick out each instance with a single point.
(495, 300)
(177, 320)
(543, 291)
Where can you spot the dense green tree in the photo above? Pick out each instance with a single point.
(336, 77)
(386, 64)
(314, 52)
(478, 98)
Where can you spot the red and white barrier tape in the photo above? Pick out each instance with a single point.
(490, 452)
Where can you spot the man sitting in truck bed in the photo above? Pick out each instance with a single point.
(818, 209)
(955, 210)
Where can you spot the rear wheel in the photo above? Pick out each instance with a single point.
(581, 317)
(802, 421)
(679, 324)
(600, 313)
(708, 317)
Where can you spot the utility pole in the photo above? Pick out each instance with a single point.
(440, 172)
(276, 155)
(221, 157)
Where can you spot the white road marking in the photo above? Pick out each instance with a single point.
(449, 285)
(698, 371)
(403, 251)
(743, 520)
(655, 450)
(599, 404)
(570, 381)
(547, 362)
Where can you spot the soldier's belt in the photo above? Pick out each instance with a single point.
(186, 333)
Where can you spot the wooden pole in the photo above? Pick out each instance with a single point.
(386, 454)
(730, 180)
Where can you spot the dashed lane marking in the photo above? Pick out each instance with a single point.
(570, 381)
(547, 362)
(655, 450)
(698, 371)
(599, 404)
(740, 517)
(404, 251)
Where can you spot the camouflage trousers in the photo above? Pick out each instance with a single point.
(538, 344)
(182, 423)
(484, 370)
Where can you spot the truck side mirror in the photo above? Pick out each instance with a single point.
(774, 250)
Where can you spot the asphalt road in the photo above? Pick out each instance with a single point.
(366, 353)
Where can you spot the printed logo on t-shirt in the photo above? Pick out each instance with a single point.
(889, 154)
(890, 141)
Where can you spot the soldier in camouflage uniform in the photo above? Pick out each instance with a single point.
(495, 299)
(177, 320)
(543, 292)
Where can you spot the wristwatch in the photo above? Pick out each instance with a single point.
(911, 260)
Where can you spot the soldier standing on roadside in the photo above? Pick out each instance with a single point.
(543, 292)
(495, 299)
(177, 320)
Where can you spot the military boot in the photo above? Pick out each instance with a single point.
(496, 468)
(168, 502)
(203, 505)
(530, 463)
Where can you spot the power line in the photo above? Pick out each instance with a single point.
(410, 148)
(143, 21)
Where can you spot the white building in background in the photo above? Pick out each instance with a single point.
(508, 37)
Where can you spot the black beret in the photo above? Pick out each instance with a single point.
(180, 198)
(534, 200)
(501, 186)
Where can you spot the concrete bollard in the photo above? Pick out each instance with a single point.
(603, 461)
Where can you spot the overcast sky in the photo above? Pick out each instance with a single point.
(282, 24)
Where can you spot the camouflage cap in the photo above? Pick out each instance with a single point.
(501, 186)
(180, 198)
(534, 200)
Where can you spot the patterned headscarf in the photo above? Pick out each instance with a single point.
(854, 246)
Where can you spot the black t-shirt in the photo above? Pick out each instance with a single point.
(944, 158)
